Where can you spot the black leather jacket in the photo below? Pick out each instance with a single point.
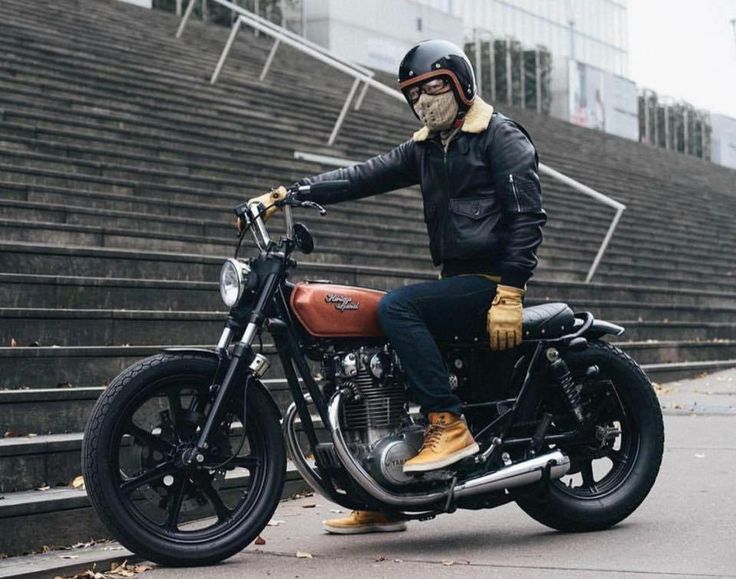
(482, 198)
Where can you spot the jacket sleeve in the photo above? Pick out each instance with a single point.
(394, 170)
(514, 164)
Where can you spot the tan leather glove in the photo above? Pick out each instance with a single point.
(504, 318)
(267, 199)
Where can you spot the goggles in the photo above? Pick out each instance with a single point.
(431, 87)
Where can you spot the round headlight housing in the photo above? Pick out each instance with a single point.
(233, 279)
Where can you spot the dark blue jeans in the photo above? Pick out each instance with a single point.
(412, 316)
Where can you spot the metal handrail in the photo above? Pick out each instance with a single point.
(598, 196)
(544, 169)
(280, 34)
(257, 22)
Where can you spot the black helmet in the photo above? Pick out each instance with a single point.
(432, 58)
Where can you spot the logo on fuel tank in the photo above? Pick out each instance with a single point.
(342, 303)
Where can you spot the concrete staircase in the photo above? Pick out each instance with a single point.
(119, 166)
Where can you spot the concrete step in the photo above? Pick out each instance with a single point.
(61, 563)
(63, 516)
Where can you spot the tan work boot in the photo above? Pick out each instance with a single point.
(364, 522)
(446, 440)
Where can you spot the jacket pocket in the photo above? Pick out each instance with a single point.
(473, 228)
(526, 193)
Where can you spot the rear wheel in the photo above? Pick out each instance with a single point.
(614, 467)
(155, 504)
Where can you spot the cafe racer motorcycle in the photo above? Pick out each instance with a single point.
(184, 454)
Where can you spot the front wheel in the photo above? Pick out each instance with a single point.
(614, 467)
(154, 504)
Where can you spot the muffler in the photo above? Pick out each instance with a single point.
(515, 475)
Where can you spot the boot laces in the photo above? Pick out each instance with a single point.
(432, 436)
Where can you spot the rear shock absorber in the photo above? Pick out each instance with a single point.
(561, 374)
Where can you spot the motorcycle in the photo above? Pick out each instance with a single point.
(184, 457)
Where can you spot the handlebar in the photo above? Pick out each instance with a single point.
(249, 214)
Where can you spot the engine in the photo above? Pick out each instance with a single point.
(375, 415)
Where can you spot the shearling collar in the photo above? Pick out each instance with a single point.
(476, 120)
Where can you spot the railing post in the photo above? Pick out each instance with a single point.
(361, 96)
(226, 51)
(269, 60)
(343, 112)
(538, 80)
(478, 62)
(604, 245)
(184, 20)
(256, 10)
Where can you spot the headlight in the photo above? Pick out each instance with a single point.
(233, 278)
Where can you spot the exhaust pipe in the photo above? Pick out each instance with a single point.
(515, 475)
(297, 457)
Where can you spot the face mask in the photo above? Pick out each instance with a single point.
(437, 112)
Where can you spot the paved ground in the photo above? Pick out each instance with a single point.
(685, 528)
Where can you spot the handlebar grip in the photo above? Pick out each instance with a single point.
(330, 187)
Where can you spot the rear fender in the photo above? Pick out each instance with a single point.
(215, 356)
(601, 328)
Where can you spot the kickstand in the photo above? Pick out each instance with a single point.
(450, 506)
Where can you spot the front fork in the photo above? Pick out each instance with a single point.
(257, 365)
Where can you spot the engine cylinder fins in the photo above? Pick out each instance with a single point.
(375, 404)
(373, 414)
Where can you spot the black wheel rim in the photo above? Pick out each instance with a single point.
(182, 503)
(603, 463)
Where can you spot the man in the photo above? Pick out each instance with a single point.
(482, 206)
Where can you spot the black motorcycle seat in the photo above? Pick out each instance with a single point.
(547, 321)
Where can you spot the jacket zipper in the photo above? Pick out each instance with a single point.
(516, 196)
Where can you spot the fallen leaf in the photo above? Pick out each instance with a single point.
(380, 558)
(10, 434)
(303, 555)
(78, 483)
(260, 540)
(309, 506)
(275, 523)
(142, 568)
(83, 545)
